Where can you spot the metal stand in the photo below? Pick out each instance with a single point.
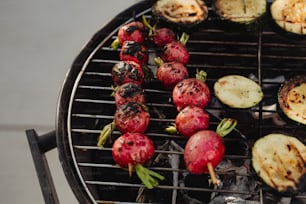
(39, 145)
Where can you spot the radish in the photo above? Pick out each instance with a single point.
(170, 73)
(160, 36)
(129, 117)
(176, 51)
(132, 150)
(132, 117)
(133, 51)
(190, 120)
(204, 150)
(191, 91)
(163, 36)
(133, 31)
(129, 92)
(127, 71)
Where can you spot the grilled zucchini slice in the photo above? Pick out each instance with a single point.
(181, 12)
(292, 98)
(290, 15)
(280, 161)
(238, 91)
(240, 11)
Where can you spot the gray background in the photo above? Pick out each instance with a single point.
(39, 41)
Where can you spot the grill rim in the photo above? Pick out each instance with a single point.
(63, 129)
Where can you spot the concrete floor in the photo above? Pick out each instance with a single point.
(39, 40)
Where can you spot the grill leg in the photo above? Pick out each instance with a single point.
(39, 145)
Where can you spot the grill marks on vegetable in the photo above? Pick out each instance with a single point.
(191, 92)
(132, 28)
(127, 71)
(280, 160)
(132, 117)
(134, 51)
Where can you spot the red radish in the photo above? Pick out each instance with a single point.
(133, 51)
(190, 120)
(170, 73)
(133, 31)
(163, 36)
(132, 150)
(176, 51)
(131, 117)
(127, 71)
(204, 150)
(129, 92)
(191, 91)
(160, 36)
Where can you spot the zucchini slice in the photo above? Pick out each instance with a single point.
(238, 91)
(292, 98)
(240, 11)
(181, 12)
(290, 15)
(280, 161)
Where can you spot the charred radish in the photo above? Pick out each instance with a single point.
(132, 117)
(191, 91)
(129, 117)
(127, 71)
(132, 151)
(133, 31)
(170, 73)
(176, 51)
(133, 51)
(129, 92)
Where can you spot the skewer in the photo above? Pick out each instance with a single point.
(212, 173)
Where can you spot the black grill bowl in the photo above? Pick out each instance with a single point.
(85, 106)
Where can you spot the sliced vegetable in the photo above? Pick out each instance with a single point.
(290, 15)
(292, 98)
(181, 12)
(240, 11)
(280, 161)
(238, 91)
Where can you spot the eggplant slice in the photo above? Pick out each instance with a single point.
(240, 11)
(181, 12)
(292, 98)
(280, 161)
(290, 15)
(238, 91)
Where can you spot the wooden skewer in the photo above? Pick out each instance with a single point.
(130, 168)
(212, 173)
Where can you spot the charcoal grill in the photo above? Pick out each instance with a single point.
(266, 54)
